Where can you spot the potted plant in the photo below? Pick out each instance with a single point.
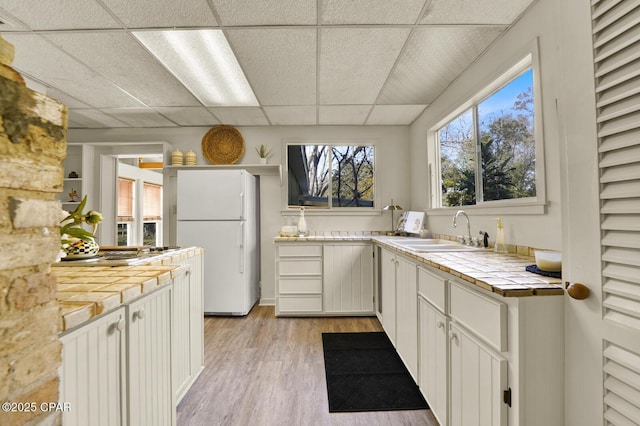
(76, 241)
(263, 152)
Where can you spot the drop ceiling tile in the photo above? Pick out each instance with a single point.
(188, 116)
(343, 114)
(474, 12)
(60, 14)
(338, 12)
(9, 23)
(39, 59)
(92, 118)
(433, 58)
(183, 13)
(139, 117)
(266, 12)
(279, 63)
(69, 101)
(291, 115)
(75, 125)
(354, 62)
(240, 116)
(394, 114)
(123, 61)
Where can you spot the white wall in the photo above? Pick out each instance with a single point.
(392, 173)
(534, 230)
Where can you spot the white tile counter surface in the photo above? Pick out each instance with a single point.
(503, 274)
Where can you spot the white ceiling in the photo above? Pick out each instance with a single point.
(309, 62)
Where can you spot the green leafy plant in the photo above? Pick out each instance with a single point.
(71, 230)
(263, 151)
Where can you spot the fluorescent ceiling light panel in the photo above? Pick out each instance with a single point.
(203, 61)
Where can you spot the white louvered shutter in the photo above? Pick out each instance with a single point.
(616, 38)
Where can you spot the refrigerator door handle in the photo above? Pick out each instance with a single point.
(242, 206)
(242, 247)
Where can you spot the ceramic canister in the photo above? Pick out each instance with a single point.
(190, 158)
(176, 158)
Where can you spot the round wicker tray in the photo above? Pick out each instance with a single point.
(223, 145)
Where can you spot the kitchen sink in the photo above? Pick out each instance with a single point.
(417, 241)
(432, 248)
(428, 245)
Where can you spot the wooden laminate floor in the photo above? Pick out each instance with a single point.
(266, 371)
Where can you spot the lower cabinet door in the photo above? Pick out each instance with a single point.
(151, 397)
(387, 293)
(478, 379)
(92, 372)
(348, 278)
(433, 359)
(181, 357)
(407, 315)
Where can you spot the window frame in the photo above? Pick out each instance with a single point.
(330, 209)
(528, 205)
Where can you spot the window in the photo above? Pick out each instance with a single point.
(152, 214)
(488, 152)
(125, 210)
(330, 176)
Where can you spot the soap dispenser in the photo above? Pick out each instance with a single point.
(500, 245)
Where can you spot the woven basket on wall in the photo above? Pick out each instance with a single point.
(223, 145)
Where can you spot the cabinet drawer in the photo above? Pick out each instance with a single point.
(432, 288)
(483, 315)
(299, 250)
(301, 266)
(300, 303)
(300, 285)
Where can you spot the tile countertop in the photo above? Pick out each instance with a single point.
(84, 292)
(330, 236)
(503, 274)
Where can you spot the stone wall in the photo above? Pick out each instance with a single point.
(32, 147)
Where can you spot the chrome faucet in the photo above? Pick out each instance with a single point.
(467, 240)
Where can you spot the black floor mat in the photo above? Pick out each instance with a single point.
(365, 373)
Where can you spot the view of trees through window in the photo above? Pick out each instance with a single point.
(331, 175)
(504, 148)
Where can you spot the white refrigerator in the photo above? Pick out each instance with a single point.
(218, 211)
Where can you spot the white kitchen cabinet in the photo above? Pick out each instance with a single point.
(433, 359)
(348, 278)
(483, 359)
(324, 278)
(92, 373)
(299, 279)
(151, 400)
(399, 306)
(188, 325)
(387, 276)
(196, 314)
(407, 314)
(478, 380)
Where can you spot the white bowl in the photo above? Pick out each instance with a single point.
(549, 261)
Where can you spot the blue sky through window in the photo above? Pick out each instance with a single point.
(501, 102)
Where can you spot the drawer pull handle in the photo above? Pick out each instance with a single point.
(139, 313)
(452, 336)
(440, 324)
